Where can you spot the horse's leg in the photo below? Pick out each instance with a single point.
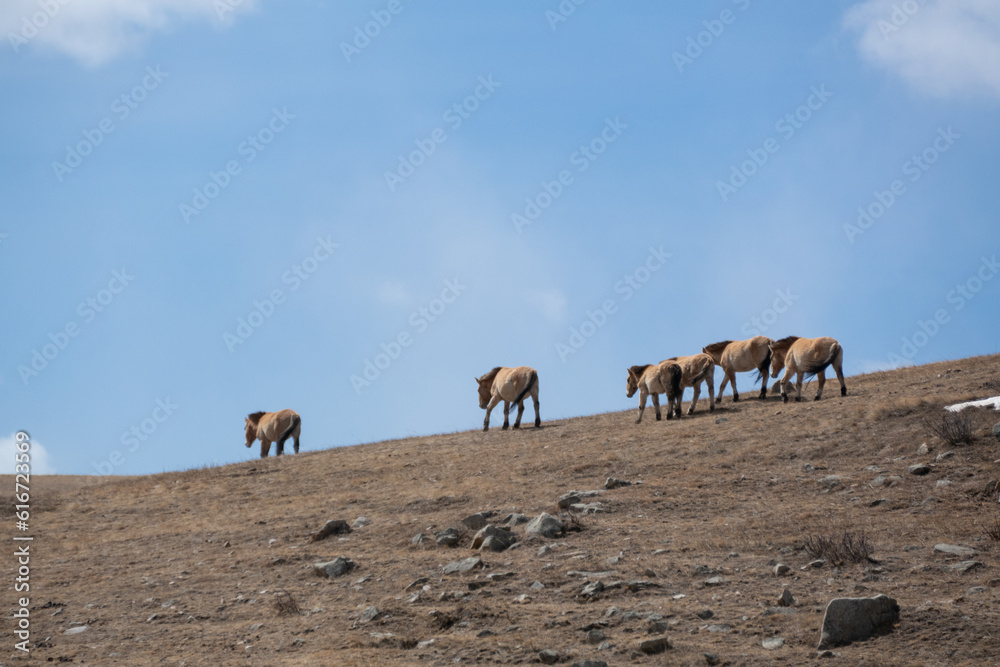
(722, 387)
(642, 405)
(694, 399)
(489, 409)
(656, 404)
(534, 402)
(520, 411)
(265, 448)
(731, 376)
(821, 380)
(798, 386)
(506, 415)
(838, 368)
(785, 380)
(296, 436)
(279, 447)
(762, 369)
(711, 390)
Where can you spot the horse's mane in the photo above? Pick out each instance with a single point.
(639, 370)
(784, 343)
(717, 347)
(492, 374)
(254, 417)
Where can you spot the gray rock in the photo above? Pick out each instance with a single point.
(715, 581)
(477, 520)
(786, 599)
(953, 550)
(464, 565)
(548, 657)
(613, 483)
(721, 420)
(334, 568)
(361, 522)
(773, 643)
(711, 658)
(879, 502)
(965, 566)
(587, 508)
(943, 482)
(720, 628)
(493, 538)
(514, 519)
(996, 430)
(919, 469)
(545, 525)
(369, 614)
(654, 646)
(781, 569)
(854, 619)
(656, 627)
(705, 614)
(830, 481)
(77, 630)
(592, 589)
(595, 637)
(976, 589)
(537, 586)
(944, 456)
(923, 450)
(589, 663)
(331, 527)
(779, 611)
(815, 564)
(878, 481)
(417, 583)
(447, 537)
(567, 500)
(420, 539)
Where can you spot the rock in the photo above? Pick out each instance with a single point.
(587, 508)
(592, 589)
(514, 519)
(976, 589)
(943, 482)
(361, 522)
(522, 599)
(830, 481)
(721, 420)
(996, 430)
(334, 568)
(965, 566)
(705, 614)
(420, 539)
(589, 663)
(613, 483)
(854, 619)
(493, 538)
(923, 450)
(786, 599)
(715, 581)
(417, 583)
(815, 564)
(711, 658)
(595, 637)
(331, 527)
(779, 611)
(477, 520)
(548, 657)
(567, 500)
(447, 537)
(77, 630)
(879, 502)
(545, 525)
(773, 643)
(724, 628)
(537, 586)
(650, 573)
(954, 550)
(919, 469)
(781, 570)
(464, 565)
(878, 481)
(656, 627)
(654, 646)
(827, 654)
(944, 456)
(369, 614)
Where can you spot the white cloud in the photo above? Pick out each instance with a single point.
(942, 47)
(95, 31)
(38, 457)
(551, 303)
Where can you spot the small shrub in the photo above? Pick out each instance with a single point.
(285, 604)
(954, 428)
(839, 549)
(992, 530)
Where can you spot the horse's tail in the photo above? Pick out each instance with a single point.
(762, 369)
(676, 376)
(527, 388)
(707, 372)
(294, 424)
(818, 367)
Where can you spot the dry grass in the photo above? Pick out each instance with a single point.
(845, 547)
(953, 428)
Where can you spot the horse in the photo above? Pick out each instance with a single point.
(273, 427)
(697, 368)
(652, 380)
(739, 356)
(509, 385)
(806, 357)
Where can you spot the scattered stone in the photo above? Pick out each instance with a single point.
(493, 538)
(592, 589)
(614, 560)
(77, 630)
(587, 508)
(477, 520)
(656, 627)
(548, 657)
(878, 481)
(830, 481)
(361, 522)
(827, 654)
(589, 663)
(522, 599)
(815, 564)
(854, 619)
(779, 611)
(711, 658)
(781, 570)
(485, 633)
(568, 499)
(720, 628)
(943, 482)
(331, 527)
(919, 469)
(996, 430)
(595, 637)
(446, 538)
(654, 646)
(965, 566)
(420, 539)
(650, 573)
(705, 614)
(417, 583)
(976, 589)
(954, 550)
(715, 581)
(334, 568)
(923, 450)
(545, 525)
(786, 599)
(721, 420)
(614, 483)
(514, 519)
(879, 502)
(496, 576)
(944, 455)
(773, 643)
(537, 586)
(369, 614)
(464, 565)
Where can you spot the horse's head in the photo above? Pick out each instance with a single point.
(250, 427)
(777, 359)
(485, 388)
(632, 381)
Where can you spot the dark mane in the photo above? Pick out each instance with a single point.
(784, 343)
(639, 370)
(717, 347)
(254, 417)
(492, 374)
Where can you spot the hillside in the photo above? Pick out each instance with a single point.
(182, 568)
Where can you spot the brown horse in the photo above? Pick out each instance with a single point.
(806, 357)
(652, 380)
(273, 427)
(697, 368)
(509, 385)
(739, 356)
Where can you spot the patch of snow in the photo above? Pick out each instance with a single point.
(958, 407)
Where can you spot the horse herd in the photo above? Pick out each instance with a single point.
(800, 357)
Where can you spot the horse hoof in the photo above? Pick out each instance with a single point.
(505, 427)
(538, 424)
(486, 428)
(798, 399)
(736, 399)
(843, 391)
(816, 399)
(784, 398)
(638, 421)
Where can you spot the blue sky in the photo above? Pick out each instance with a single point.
(218, 207)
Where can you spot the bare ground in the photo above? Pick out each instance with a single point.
(183, 568)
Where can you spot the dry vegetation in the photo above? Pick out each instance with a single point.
(213, 566)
